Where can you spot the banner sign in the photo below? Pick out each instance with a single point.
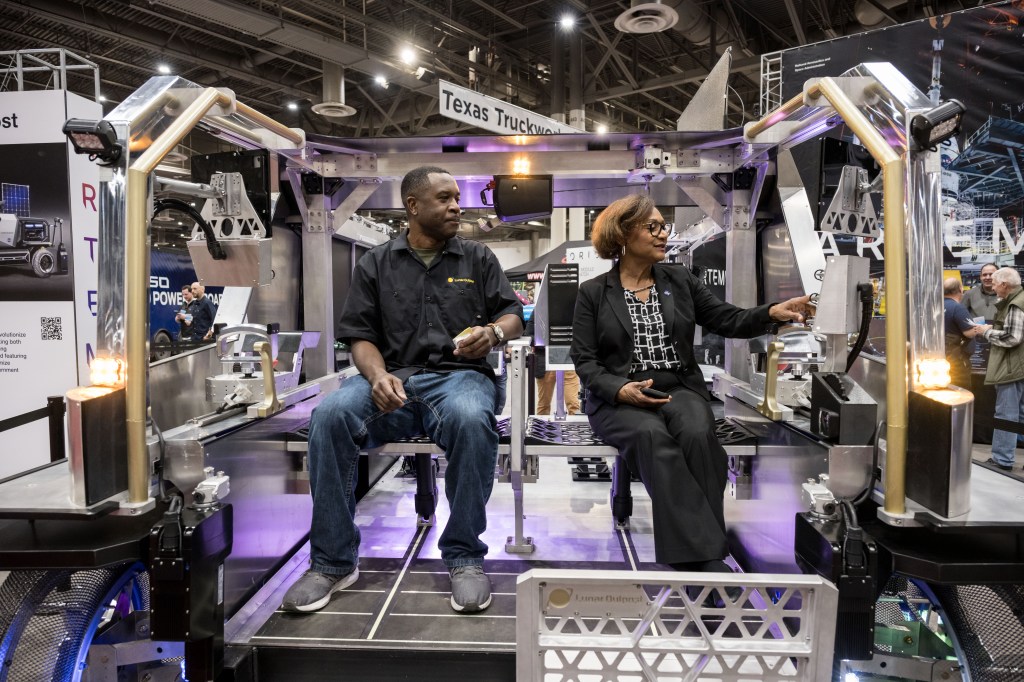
(461, 104)
(709, 261)
(973, 56)
(48, 227)
(83, 191)
(591, 265)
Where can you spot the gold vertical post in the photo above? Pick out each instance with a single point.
(270, 405)
(894, 207)
(137, 284)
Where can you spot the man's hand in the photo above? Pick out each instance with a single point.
(980, 329)
(388, 394)
(630, 394)
(793, 310)
(476, 345)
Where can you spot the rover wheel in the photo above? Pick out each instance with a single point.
(43, 263)
(49, 618)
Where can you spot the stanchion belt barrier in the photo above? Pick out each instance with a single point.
(1007, 425)
(22, 419)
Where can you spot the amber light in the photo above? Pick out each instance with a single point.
(107, 372)
(933, 373)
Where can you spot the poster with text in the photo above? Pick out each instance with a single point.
(43, 334)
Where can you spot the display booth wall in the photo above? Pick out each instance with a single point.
(47, 314)
(973, 56)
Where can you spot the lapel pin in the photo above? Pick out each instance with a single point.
(667, 292)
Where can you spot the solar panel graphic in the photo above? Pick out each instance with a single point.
(16, 199)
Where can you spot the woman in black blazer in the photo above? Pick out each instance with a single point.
(633, 331)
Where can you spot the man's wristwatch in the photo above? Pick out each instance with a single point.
(499, 333)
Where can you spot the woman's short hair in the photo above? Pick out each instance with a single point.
(1007, 276)
(615, 223)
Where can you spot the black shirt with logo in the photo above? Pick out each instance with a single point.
(412, 312)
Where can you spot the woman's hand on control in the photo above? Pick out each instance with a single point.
(630, 394)
(793, 310)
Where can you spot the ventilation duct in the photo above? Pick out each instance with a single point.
(646, 17)
(333, 104)
(870, 14)
(695, 22)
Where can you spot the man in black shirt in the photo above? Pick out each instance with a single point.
(203, 312)
(422, 314)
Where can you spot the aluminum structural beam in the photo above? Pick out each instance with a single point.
(624, 69)
(794, 18)
(692, 76)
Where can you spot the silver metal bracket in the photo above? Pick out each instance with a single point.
(851, 211)
(230, 214)
(126, 508)
(212, 490)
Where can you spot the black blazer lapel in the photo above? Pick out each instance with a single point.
(663, 284)
(617, 301)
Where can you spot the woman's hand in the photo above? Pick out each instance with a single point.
(630, 394)
(793, 310)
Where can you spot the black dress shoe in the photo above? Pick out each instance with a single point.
(1004, 467)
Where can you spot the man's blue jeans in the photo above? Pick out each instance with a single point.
(1009, 406)
(454, 409)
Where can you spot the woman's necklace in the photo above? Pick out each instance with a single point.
(642, 288)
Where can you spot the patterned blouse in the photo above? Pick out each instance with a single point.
(652, 348)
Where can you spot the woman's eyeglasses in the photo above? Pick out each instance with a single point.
(655, 228)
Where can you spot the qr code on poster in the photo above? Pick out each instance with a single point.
(50, 329)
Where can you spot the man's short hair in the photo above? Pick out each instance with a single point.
(418, 179)
(986, 265)
(615, 223)
(951, 286)
(1007, 276)
(186, 287)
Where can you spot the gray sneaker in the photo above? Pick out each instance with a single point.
(313, 590)
(471, 589)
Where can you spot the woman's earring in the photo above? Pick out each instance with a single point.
(623, 249)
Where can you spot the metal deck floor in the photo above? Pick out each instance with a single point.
(395, 622)
(401, 600)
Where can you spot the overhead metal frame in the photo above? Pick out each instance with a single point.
(645, 80)
(56, 62)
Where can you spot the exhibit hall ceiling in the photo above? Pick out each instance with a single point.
(379, 61)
